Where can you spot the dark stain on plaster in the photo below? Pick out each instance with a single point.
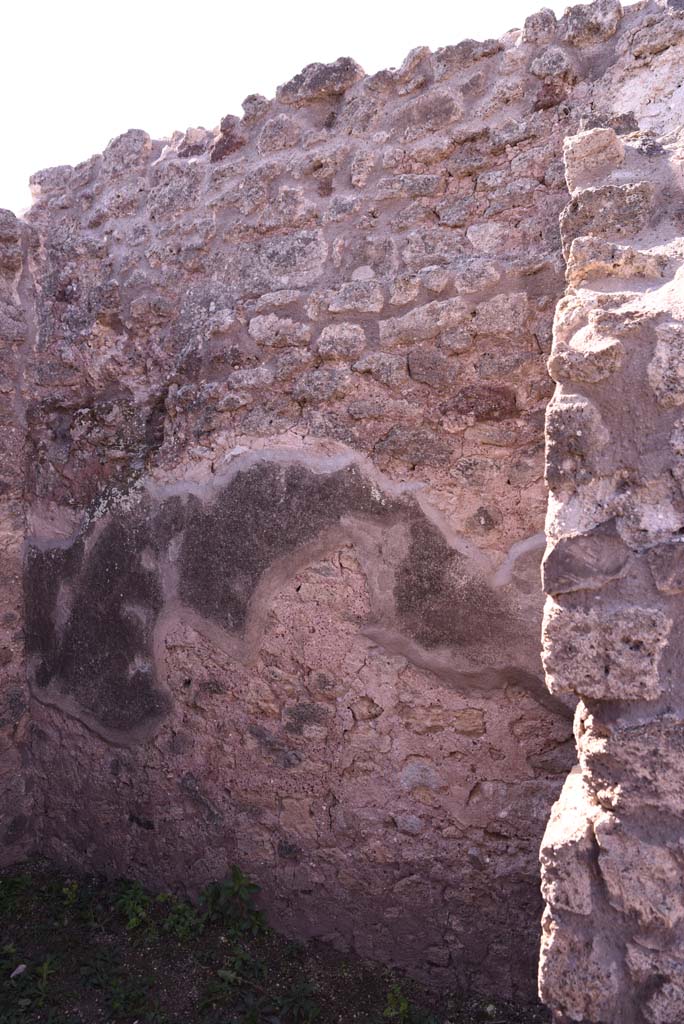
(440, 603)
(265, 513)
(91, 608)
(101, 658)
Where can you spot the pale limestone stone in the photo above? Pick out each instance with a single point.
(589, 356)
(575, 439)
(594, 257)
(359, 297)
(277, 331)
(577, 972)
(591, 155)
(425, 322)
(567, 849)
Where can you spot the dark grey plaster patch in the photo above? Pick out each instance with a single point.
(92, 608)
(263, 514)
(438, 602)
(101, 658)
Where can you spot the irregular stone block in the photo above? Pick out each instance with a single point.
(588, 357)
(415, 445)
(357, 297)
(666, 369)
(553, 63)
(341, 341)
(386, 367)
(604, 655)
(590, 156)
(660, 35)
(124, 154)
(293, 260)
(504, 314)
(425, 322)
(666, 562)
(575, 435)
(589, 24)
(641, 878)
(232, 136)
(321, 385)
(539, 27)
(568, 851)
(594, 257)
(410, 186)
(585, 562)
(278, 331)
(635, 767)
(661, 974)
(280, 132)
(578, 974)
(320, 81)
(10, 243)
(456, 213)
(428, 366)
(608, 211)
(482, 402)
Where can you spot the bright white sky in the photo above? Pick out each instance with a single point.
(76, 73)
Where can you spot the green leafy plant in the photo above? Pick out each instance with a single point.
(255, 1009)
(399, 1008)
(41, 980)
(231, 904)
(134, 904)
(25, 993)
(182, 920)
(13, 888)
(240, 971)
(299, 1005)
(123, 995)
(70, 893)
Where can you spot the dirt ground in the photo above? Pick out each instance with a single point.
(83, 950)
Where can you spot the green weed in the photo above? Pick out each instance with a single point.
(231, 904)
(134, 904)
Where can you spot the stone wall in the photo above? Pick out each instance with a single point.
(17, 241)
(281, 424)
(613, 854)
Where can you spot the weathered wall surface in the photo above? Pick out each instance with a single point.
(286, 507)
(284, 490)
(16, 302)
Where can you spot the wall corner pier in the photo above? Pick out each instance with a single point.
(273, 499)
(613, 853)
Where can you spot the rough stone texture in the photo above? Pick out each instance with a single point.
(612, 857)
(275, 399)
(17, 243)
